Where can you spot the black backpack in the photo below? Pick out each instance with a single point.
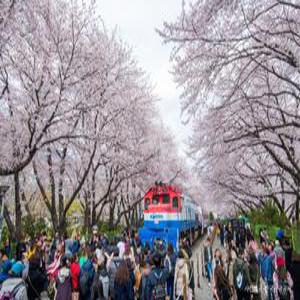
(159, 290)
(240, 280)
(283, 290)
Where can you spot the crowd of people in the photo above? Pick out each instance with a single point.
(243, 269)
(123, 269)
(96, 269)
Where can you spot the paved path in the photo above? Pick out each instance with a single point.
(204, 293)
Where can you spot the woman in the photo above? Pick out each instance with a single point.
(75, 272)
(122, 286)
(63, 281)
(282, 281)
(181, 277)
(218, 259)
(222, 290)
(52, 269)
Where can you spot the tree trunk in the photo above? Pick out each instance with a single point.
(18, 208)
(112, 214)
(87, 213)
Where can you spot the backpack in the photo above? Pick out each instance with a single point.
(105, 285)
(240, 278)
(13, 289)
(84, 283)
(159, 290)
(283, 290)
(112, 275)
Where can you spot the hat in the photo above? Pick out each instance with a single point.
(17, 269)
(280, 262)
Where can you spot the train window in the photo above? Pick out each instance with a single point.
(147, 202)
(155, 200)
(175, 202)
(166, 199)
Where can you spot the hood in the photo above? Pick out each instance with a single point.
(63, 274)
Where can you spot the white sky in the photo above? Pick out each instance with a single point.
(136, 21)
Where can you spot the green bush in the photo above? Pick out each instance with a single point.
(269, 216)
(32, 227)
(295, 232)
(104, 228)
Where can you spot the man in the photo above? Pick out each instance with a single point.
(157, 280)
(207, 258)
(268, 267)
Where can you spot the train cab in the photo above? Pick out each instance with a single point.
(168, 215)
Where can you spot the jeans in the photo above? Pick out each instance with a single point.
(270, 291)
(208, 268)
(170, 287)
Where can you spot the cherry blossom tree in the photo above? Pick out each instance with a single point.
(238, 65)
(45, 64)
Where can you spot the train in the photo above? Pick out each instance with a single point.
(169, 215)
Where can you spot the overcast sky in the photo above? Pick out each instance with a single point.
(136, 21)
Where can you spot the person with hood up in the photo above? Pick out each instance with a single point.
(181, 277)
(63, 281)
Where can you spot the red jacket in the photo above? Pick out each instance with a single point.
(75, 271)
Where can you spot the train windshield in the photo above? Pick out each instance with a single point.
(155, 200)
(165, 199)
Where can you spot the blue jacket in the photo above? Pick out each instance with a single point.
(268, 268)
(261, 257)
(87, 267)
